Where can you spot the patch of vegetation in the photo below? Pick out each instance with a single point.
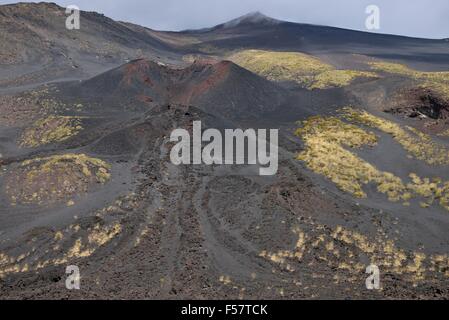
(49, 130)
(418, 144)
(281, 66)
(327, 140)
(340, 250)
(401, 69)
(440, 88)
(25, 108)
(444, 133)
(43, 97)
(306, 70)
(391, 67)
(338, 78)
(48, 247)
(435, 81)
(62, 246)
(56, 178)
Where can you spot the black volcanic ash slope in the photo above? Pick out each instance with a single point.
(256, 31)
(221, 88)
(36, 46)
(109, 200)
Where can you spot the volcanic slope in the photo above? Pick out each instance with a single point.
(221, 88)
(37, 46)
(86, 176)
(108, 198)
(173, 232)
(257, 31)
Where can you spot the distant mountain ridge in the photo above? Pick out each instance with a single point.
(34, 35)
(37, 48)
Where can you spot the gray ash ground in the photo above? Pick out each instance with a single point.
(200, 232)
(143, 228)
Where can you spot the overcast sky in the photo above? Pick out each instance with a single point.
(419, 18)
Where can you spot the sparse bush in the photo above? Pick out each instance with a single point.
(308, 71)
(327, 139)
(55, 178)
(435, 81)
(49, 130)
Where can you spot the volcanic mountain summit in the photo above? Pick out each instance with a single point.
(252, 18)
